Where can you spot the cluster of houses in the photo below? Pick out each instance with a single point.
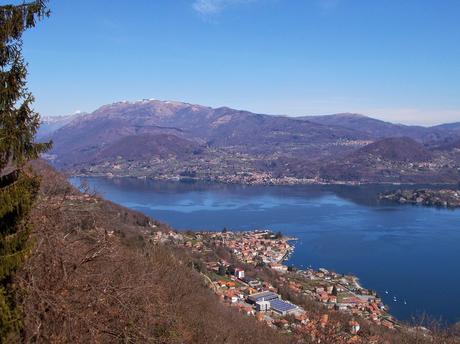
(342, 293)
(256, 247)
(259, 296)
(260, 299)
(263, 178)
(334, 291)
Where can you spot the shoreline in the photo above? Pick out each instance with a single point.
(296, 182)
(355, 280)
(330, 289)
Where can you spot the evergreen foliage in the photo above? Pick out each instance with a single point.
(18, 126)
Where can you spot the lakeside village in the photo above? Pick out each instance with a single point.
(238, 286)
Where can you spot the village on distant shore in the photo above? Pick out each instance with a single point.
(427, 197)
(279, 301)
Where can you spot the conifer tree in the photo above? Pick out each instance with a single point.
(18, 126)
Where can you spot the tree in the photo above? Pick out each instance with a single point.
(18, 126)
(334, 291)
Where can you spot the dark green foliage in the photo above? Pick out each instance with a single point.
(278, 235)
(18, 122)
(18, 126)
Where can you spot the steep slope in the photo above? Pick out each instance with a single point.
(146, 146)
(95, 277)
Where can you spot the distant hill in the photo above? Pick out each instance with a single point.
(50, 124)
(395, 149)
(449, 145)
(165, 139)
(374, 127)
(449, 126)
(390, 160)
(450, 137)
(380, 129)
(81, 138)
(149, 145)
(455, 144)
(265, 134)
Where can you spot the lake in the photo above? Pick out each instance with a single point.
(411, 252)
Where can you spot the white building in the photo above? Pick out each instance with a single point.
(262, 306)
(239, 273)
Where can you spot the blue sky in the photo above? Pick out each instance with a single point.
(391, 59)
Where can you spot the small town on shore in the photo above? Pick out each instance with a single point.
(281, 299)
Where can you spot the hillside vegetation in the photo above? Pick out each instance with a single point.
(93, 276)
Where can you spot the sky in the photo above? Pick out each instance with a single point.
(390, 59)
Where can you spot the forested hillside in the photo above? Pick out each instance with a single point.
(94, 276)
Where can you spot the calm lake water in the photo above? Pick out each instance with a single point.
(411, 252)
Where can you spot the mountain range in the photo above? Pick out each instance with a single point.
(176, 140)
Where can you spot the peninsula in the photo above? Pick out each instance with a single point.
(284, 297)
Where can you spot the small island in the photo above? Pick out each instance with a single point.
(428, 197)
